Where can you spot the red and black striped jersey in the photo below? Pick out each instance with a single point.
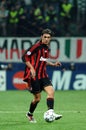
(37, 56)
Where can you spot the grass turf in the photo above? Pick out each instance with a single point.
(14, 105)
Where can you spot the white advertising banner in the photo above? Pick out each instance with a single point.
(63, 49)
(2, 80)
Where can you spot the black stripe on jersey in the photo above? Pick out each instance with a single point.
(42, 73)
(37, 65)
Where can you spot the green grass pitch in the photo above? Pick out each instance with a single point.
(14, 105)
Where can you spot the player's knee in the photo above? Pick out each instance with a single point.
(51, 94)
(37, 99)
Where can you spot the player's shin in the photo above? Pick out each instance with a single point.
(50, 103)
(33, 106)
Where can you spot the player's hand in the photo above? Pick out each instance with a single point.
(32, 70)
(57, 64)
(33, 73)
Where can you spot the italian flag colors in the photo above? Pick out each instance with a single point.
(71, 48)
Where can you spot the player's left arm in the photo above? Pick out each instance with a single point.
(56, 64)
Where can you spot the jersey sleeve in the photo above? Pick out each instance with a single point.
(29, 52)
(25, 57)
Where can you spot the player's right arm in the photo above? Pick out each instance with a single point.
(32, 70)
(26, 58)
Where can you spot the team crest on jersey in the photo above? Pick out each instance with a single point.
(28, 53)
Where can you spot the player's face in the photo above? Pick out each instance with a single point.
(46, 38)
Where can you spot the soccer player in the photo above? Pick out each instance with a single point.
(36, 59)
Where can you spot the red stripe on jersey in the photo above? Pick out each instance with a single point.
(34, 47)
(27, 74)
(40, 71)
(37, 59)
(42, 65)
(26, 58)
(46, 56)
(44, 73)
(32, 60)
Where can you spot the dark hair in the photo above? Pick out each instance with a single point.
(47, 31)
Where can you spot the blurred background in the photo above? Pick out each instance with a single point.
(21, 23)
(28, 17)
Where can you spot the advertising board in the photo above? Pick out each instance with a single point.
(61, 80)
(63, 49)
(2, 80)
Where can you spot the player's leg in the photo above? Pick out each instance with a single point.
(50, 100)
(32, 107)
(47, 87)
(34, 103)
(50, 96)
(37, 96)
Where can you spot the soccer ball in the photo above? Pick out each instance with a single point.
(49, 116)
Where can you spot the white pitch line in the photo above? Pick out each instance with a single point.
(68, 111)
